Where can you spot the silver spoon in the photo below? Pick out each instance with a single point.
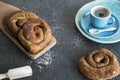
(96, 31)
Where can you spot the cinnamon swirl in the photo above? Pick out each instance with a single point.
(35, 35)
(99, 65)
(16, 20)
(30, 33)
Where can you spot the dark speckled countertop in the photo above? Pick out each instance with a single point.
(60, 62)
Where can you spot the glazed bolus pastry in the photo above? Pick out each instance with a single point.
(99, 65)
(35, 35)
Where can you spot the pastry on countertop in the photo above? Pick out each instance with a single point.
(99, 65)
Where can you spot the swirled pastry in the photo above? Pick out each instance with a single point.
(35, 35)
(30, 33)
(16, 20)
(99, 65)
(33, 32)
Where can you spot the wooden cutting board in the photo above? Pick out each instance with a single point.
(6, 9)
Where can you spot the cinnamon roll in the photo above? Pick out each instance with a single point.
(16, 20)
(99, 65)
(35, 35)
(30, 33)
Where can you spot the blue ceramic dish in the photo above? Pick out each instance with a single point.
(114, 5)
(86, 25)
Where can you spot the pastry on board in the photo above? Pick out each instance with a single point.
(31, 31)
(35, 35)
(99, 64)
(12, 23)
(15, 20)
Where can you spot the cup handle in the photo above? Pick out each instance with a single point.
(86, 14)
(111, 20)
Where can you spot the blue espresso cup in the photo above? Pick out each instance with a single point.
(100, 16)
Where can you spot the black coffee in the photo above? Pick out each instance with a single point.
(101, 12)
(101, 15)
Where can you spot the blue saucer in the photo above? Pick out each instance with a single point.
(85, 24)
(114, 7)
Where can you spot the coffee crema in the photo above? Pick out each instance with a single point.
(101, 12)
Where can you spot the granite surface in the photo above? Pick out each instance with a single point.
(60, 62)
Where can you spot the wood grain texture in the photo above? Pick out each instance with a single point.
(6, 9)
